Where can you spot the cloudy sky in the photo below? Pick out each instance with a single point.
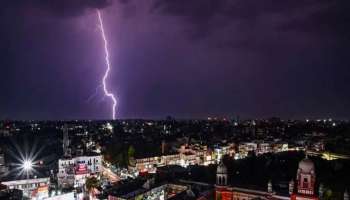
(184, 58)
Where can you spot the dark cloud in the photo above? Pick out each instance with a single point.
(61, 8)
(330, 17)
(311, 15)
(196, 11)
(204, 10)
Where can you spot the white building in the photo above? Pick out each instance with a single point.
(36, 188)
(264, 148)
(245, 148)
(72, 172)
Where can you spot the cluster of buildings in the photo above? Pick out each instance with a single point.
(259, 148)
(185, 156)
(82, 160)
(197, 154)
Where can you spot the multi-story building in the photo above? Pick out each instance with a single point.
(35, 188)
(171, 159)
(72, 172)
(147, 164)
(187, 155)
(245, 148)
(3, 168)
(264, 148)
(187, 159)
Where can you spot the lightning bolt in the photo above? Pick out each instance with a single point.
(107, 93)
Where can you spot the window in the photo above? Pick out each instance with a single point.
(305, 183)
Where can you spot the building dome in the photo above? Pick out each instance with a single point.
(306, 166)
(221, 169)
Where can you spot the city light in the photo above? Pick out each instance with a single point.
(27, 165)
(26, 159)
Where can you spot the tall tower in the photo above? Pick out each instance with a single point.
(291, 187)
(221, 175)
(306, 178)
(269, 187)
(346, 195)
(3, 169)
(221, 183)
(320, 191)
(163, 147)
(65, 142)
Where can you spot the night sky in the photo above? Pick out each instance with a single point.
(184, 58)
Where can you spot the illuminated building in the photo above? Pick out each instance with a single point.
(36, 188)
(3, 168)
(245, 148)
(148, 164)
(72, 172)
(264, 148)
(306, 178)
(305, 186)
(221, 175)
(66, 142)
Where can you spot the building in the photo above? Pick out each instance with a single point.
(72, 172)
(306, 178)
(32, 188)
(66, 142)
(150, 164)
(245, 148)
(305, 186)
(3, 168)
(147, 164)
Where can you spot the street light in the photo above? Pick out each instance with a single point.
(27, 165)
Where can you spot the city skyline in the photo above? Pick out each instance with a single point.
(186, 59)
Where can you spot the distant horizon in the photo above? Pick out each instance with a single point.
(209, 118)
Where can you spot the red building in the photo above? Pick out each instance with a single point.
(306, 178)
(305, 186)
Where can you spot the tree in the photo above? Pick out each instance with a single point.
(131, 152)
(328, 195)
(92, 182)
(218, 196)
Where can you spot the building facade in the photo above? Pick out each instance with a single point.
(72, 172)
(304, 190)
(36, 188)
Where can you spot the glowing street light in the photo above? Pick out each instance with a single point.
(26, 159)
(27, 165)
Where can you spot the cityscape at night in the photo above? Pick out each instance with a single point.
(175, 100)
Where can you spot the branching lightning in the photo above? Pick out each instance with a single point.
(107, 93)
